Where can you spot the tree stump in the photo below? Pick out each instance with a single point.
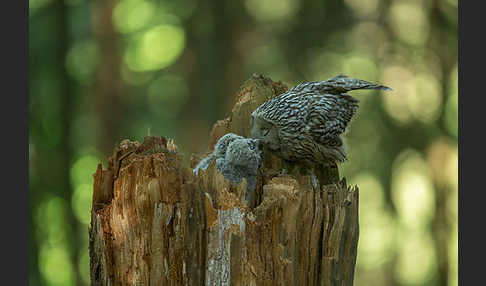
(153, 222)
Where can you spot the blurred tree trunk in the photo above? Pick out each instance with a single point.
(65, 156)
(155, 223)
(109, 85)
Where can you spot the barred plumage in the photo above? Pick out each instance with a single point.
(305, 123)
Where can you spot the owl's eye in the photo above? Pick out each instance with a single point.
(334, 143)
(252, 146)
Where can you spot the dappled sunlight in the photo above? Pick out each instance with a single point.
(409, 22)
(412, 190)
(52, 229)
(132, 15)
(361, 33)
(55, 265)
(396, 104)
(442, 160)
(377, 227)
(82, 61)
(454, 253)
(81, 202)
(425, 104)
(360, 66)
(83, 266)
(83, 169)
(52, 226)
(364, 8)
(272, 10)
(156, 48)
(452, 168)
(416, 263)
(104, 71)
(451, 107)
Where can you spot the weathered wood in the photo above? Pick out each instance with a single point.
(155, 223)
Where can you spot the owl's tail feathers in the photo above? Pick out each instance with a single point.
(342, 83)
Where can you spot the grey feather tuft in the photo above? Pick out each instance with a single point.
(236, 157)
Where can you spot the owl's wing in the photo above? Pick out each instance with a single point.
(329, 115)
(337, 85)
(342, 83)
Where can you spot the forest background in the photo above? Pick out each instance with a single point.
(104, 71)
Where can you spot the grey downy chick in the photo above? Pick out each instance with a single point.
(236, 157)
(218, 152)
(243, 159)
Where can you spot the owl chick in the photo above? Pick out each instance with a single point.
(236, 157)
(304, 124)
(219, 152)
(243, 158)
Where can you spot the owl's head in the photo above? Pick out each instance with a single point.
(266, 131)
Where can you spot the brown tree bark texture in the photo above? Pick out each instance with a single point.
(155, 223)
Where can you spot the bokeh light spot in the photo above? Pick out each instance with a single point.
(452, 168)
(414, 96)
(416, 260)
(81, 202)
(454, 253)
(451, 106)
(272, 10)
(132, 15)
(82, 60)
(412, 189)
(83, 266)
(362, 32)
(426, 103)
(401, 80)
(156, 48)
(442, 161)
(55, 265)
(363, 8)
(360, 66)
(83, 169)
(409, 22)
(376, 224)
(51, 222)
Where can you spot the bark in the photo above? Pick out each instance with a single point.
(155, 223)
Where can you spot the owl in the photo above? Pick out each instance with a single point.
(305, 124)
